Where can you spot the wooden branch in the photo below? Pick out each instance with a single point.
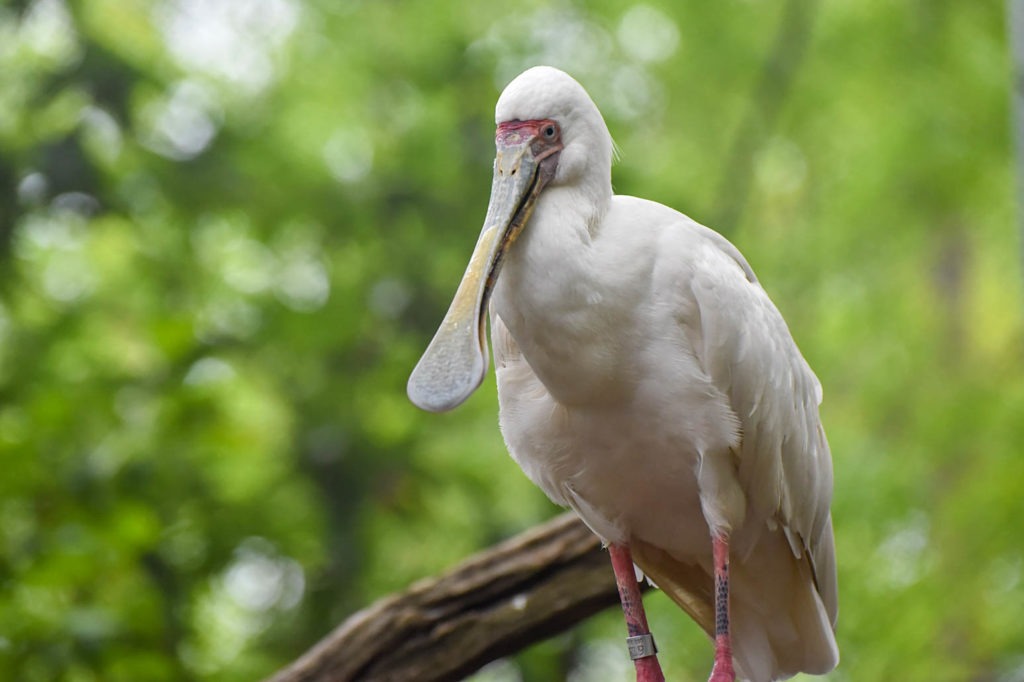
(497, 602)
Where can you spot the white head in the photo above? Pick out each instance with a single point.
(550, 134)
(546, 93)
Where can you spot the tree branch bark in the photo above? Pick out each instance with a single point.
(495, 603)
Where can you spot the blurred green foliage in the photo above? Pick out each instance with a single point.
(228, 229)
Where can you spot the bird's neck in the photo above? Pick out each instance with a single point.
(556, 297)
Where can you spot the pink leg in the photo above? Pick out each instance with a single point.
(722, 671)
(641, 643)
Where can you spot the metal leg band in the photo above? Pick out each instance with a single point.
(641, 646)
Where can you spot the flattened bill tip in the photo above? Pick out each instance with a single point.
(445, 377)
(455, 361)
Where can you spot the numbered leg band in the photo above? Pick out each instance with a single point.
(641, 646)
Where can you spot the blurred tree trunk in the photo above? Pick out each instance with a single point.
(524, 590)
(1015, 31)
(769, 94)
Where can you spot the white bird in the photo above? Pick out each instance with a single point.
(646, 380)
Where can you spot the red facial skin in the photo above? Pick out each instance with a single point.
(544, 136)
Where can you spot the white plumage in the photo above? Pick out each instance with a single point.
(646, 380)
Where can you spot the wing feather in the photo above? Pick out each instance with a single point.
(783, 465)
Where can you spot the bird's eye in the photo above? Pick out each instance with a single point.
(550, 131)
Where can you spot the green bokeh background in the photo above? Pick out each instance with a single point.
(227, 230)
